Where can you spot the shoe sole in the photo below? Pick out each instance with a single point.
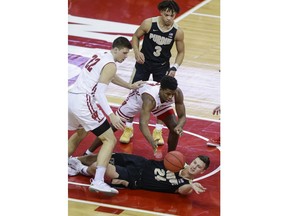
(103, 192)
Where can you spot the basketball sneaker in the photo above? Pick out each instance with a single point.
(214, 142)
(72, 172)
(157, 135)
(100, 186)
(75, 164)
(127, 135)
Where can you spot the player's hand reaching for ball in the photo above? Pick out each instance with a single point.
(198, 188)
(155, 145)
(157, 153)
(178, 130)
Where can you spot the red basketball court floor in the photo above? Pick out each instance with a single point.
(191, 144)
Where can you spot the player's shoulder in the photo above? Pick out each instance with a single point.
(147, 21)
(179, 94)
(178, 90)
(146, 25)
(151, 83)
(179, 32)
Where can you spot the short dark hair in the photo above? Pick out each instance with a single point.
(168, 82)
(205, 159)
(169, 5)
(121, 42)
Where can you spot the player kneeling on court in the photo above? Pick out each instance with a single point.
(156, 98)
(137, 172)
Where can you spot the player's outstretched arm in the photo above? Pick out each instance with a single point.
(148, 105)
(180, 110)
(185, 189)
(107, 75)
(189, 188)
(120, 82)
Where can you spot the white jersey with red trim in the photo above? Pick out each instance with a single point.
(83, 110)
(133, 103)
(88, 78)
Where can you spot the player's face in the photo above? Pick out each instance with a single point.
(196, 167)
(168, 17)
(121, 54)
(166, 95)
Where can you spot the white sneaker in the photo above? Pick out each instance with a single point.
(75, 164)
(72, 172)
(100, 186)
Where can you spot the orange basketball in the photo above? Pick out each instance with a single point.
(174, 161)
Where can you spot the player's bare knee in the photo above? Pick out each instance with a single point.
(111, 171)
(109, 139)
(88, 159)
(81, 133)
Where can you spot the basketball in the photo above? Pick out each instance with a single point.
(174, 161)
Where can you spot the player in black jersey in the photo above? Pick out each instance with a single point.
(159, 34)
(137, 172)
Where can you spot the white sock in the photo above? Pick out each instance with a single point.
(129, 124)
(100, 171)
(159, 126)
(83, 171)
(88, 152)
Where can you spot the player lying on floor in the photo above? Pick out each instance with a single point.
(137, 172)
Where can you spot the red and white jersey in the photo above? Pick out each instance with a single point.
(83, 110)
(152, 88)
(133, 103)
(88, 78)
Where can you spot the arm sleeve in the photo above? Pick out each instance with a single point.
(101, 98)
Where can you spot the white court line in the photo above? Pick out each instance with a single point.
(187, 132)
(207, 15)
(187, 13)
(139, 210)
(201, 137)
(191, 11)
(188, 116)
(209, 174)
(120, 207)
(194, 180)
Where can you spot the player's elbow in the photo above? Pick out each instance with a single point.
(185, 193)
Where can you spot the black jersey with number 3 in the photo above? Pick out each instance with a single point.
(157, 44)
